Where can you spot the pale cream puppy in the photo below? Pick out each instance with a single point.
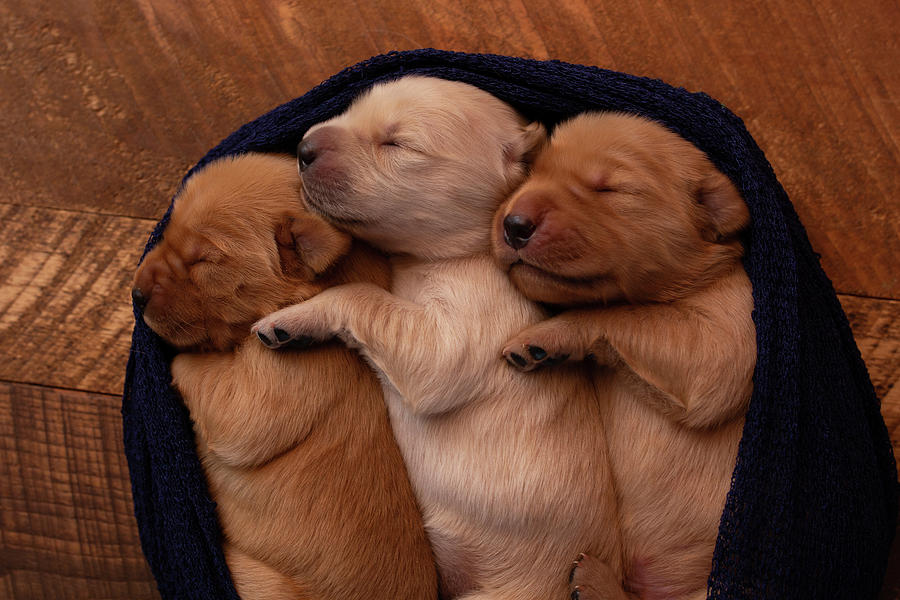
(635, 230)
(510, 469)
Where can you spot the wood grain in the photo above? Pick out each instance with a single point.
(68, 529)
(876, 328)
(127, 95)
(65, 302)
(106, 104)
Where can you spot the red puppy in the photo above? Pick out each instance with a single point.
(310, 486)
(635, 232)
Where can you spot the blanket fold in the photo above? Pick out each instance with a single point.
(813, 503)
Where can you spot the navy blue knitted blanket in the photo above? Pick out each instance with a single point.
(813, 501)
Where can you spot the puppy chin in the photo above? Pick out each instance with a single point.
(181, 336)
(541, 286)
(505, 256)
(326, 200)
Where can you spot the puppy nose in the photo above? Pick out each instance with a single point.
(140, 300)
(306, 153)
(517, 230)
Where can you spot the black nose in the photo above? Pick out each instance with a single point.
(140, 300)
(517, 230)
(306, 154)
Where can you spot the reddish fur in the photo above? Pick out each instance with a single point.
(310, 487)
(637, 229)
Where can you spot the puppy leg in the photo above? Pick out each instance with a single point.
(693, 363)
(694, 366)
(237, 408)
(418, 350)
(592, 579)
(255, 580)
(568, 336)
(577, 335)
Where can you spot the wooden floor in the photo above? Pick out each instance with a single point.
(106, 104)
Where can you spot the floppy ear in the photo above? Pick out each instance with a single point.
(307, 243)
(723, 205)
(532, 138)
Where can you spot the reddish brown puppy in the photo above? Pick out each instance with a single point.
(634, 231)
(311, 490)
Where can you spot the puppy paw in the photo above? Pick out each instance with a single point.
(528, 357)
(591, 579)
(296, 326)
(538, 346)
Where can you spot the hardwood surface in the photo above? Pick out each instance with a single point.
(68, 525)
(106, 104)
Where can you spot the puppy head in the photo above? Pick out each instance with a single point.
(619, 208)
(417, 165)
(238, 246)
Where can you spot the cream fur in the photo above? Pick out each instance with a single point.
(510, 469)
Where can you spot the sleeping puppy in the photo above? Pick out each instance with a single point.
(635, 231)
(310, 487)
(510, 469)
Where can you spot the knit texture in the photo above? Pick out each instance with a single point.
(813, 501)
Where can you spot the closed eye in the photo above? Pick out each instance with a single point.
(211, 258)
(398, 144)
(200, 262)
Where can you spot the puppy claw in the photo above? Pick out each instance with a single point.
(575, 564)
(271, 337)
(265, 340)
(591, 579)
(516, 360)
(529, 357)
(536, 352)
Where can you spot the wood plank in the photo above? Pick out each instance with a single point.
(65, 303)
(120, 98)
(68, 529)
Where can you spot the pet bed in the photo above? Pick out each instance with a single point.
(813, 501)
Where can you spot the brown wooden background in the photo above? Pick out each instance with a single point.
(106, 104)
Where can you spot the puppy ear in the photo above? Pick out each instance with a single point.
(307, 243)
(725, 209)
(532, 138)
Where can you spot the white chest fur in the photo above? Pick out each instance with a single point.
(506, 466)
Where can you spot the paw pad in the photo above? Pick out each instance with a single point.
(516, 359)
(265, 340)
(536, 352)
